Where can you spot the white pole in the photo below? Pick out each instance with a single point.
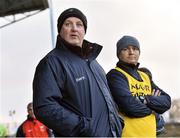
(51, 22)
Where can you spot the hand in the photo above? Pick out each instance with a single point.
(156, 92)
(142, 99)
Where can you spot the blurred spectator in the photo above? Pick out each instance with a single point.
(3, 130)
(31, 127)
(174, 113)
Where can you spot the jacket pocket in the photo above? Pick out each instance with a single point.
(86, 129)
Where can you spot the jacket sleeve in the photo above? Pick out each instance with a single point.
(161, 103)
(20, 132)
(126, 102)
(47, 101)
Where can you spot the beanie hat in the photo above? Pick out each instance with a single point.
(71, 12)
(126, 41)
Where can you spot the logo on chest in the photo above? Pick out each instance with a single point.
(80, 78)
(140, 87)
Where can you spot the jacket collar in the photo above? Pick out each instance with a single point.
(30, 118)
(88, 51)
(127, 66)
(130, 69)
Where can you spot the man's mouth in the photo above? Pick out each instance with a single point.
(74, 36)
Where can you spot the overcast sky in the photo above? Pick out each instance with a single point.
(155, 23)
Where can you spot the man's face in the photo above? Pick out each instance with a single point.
(30, 111)
(73, 31)
(130, 55)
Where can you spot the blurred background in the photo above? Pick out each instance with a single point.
(28, 32)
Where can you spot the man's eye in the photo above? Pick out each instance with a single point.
(135, 48)
(67, 24)
(124, 49)
(80, 24)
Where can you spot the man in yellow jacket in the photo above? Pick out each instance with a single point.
(133, 92)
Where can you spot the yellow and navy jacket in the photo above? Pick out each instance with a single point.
(126, 100)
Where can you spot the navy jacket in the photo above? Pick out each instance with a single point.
(71, 95)
(126, 102)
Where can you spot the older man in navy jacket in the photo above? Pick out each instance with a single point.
(70, 92)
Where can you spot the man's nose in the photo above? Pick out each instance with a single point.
(131, 50)
(74, 27)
